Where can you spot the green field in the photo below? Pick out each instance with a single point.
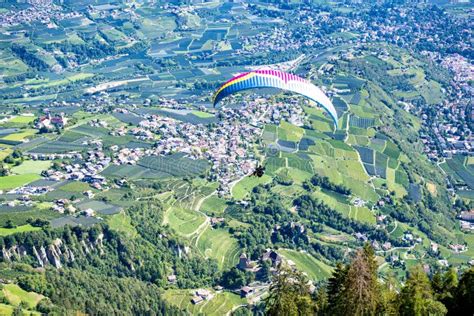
(75, 187)
(7, 310)
(315, 269)
(221, 304)
(20, 136)
(122, 223)
(31, 167)
(213, 205)
(22, 119)
(220, 245)
(362, 214)
(14, 181)
(289, 132)
(18, 229)
(16, 295)
(183, 221)
(245, 186)
(202, 114)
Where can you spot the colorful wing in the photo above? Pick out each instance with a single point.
(276, 79)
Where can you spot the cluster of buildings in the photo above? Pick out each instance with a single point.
(95, 161)
(44, 11)
(466, 219)
(227, 144)
(49, 121)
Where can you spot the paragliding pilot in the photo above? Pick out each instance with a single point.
(259, 171)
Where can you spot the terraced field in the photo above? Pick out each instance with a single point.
(213, 205)
(184, 221)
(221, 304)
(220, 245)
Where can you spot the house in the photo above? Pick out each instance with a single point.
(172, 278)
(49, 121)
(246, 291)
(216, 220)
(205, 294)
(361, 236)
(467, 216)
(89, 194)
(273, 257)
(244, 262)
(89, 212)
(196, 300)
(387, 245)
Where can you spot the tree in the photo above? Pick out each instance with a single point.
(289, 294)
(9, 224)
(463, 300)
(356, 287)
(335, 289)
(3, 170)
(416, 297)
(444, 286)
(233, 279)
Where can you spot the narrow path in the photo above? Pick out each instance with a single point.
(396, 225)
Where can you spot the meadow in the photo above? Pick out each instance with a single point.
(14, 181)
(218, 244)
(16, 295)
(316, 270)
(18, 229)
(242, 188)
(213, 205)
(184, 221)
(31, 167)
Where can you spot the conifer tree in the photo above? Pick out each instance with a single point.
(361, 289)
(289, 294)
(335, 290)
(463, 300)
(416, 297)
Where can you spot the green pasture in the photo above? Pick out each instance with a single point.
(183, 221)
(75, 187)
(218, 244)
(121, 222)
(213, 205)
(18, 229)
(31, 167)
(16, 295)
(202, 114)
(314, 268)
(8, 310)
(245, 186)
(14, 181)
(290, 132)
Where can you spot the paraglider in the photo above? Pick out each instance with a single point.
(267, 78)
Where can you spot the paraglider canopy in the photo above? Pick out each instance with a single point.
(267, 78)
